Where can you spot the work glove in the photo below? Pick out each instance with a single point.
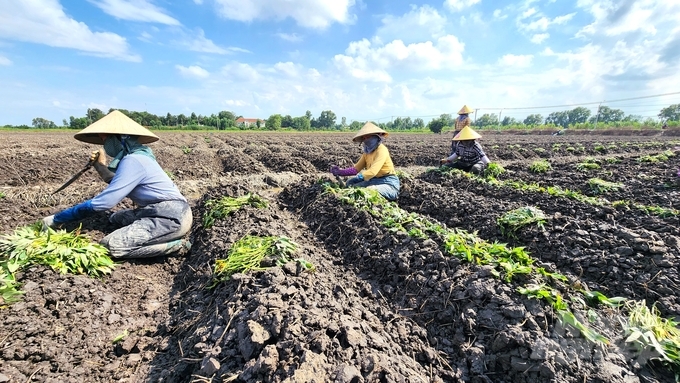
(443, 161)
(47, 222)
(350, 171)
(334, 170)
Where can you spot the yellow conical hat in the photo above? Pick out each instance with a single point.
(467, 134)
(465, 110)
(115, 123)
(369, 128)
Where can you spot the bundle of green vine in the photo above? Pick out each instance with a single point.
(63, 251)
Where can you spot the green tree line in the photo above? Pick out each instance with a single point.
(564, 119)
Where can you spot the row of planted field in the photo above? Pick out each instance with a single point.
(558, 264)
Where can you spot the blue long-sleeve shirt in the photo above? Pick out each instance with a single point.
(138, 177)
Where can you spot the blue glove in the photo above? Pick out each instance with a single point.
(360, 177)
(74, 213)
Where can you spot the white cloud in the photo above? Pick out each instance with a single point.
(193, 71)
(288, 68)
(614, 19)
(240, 72)
(135, 10)
(498, 15)
(459, 5)
(146, 37)
(199, 2)
(539, 37)
(307, 13)
(44, 22)
(369, 61)
(200, 43)
(235, 103)
(420, 23)
(5, 61)
(511, 60)
(292, 37)
(407, 99)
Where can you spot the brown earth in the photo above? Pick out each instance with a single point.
(382, 306)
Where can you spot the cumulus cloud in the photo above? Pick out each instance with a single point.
(366, 60)
(235, 103)
(44, 22)
(5, 61)
(318, 14)
(199, 43)
(135, 10)
(459, 5)
(420, 23)
(193, 71)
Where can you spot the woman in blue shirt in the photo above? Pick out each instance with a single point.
(162, 216)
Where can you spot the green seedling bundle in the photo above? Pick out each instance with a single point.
(540, 166)
(221, 208)
(600, 186)
(65, 252)
(248, 253)
(512, 221)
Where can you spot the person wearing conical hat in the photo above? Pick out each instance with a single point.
(468, 155)
(462, 121)
(162, 217)
(374, 169)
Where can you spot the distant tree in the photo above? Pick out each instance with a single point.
(447, 119)
(607, 114)
(343, 124)
(509, 121)
(42, 123)
(182, 119)
(418, 123)
(488, 119)
(633, 118)
(326, 120)
(533, 119)
(578, 115)
(355, 125)
(287, 121)
(64, 123)
(558, 118)
(671, 113)
(77, 123)
(94, 114)
(308, 114)
(273, 122)
(301, 123)
(436, 125)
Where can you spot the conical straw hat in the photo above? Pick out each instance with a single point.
(368, 128)
(467, 134)
(115, 123)
(465, 110)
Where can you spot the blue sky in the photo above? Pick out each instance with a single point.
(362, 59)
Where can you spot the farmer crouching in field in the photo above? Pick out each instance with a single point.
(468, 155)
(374, 169)
(462, 121)
(162, 216)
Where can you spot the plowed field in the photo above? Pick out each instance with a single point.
(384, 305)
